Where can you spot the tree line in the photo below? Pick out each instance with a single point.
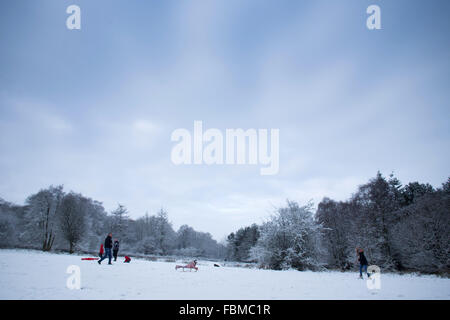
(53, 219)
(401, 227)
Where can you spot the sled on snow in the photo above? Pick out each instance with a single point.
(190, 266)
(89, 258)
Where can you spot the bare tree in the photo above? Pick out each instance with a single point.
(71, 219)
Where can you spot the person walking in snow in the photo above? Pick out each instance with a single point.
(108, 246)
(115, 249)
(362, 262)
(100, 254)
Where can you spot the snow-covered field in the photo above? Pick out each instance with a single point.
(35, 275)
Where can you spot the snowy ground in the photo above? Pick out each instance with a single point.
(36, 275)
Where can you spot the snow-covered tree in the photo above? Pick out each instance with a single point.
(185, 237)
(163, 232)
(96, 221)
(154, 233)
(290, 239)
(71, 218)
(119, 222)
(375, 203)
(335, 220)
(421, 237)
(10, 216)
(240, 243)
(43, 208)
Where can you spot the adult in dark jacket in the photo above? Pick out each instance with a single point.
(362, 262)
(115, 249)
(108, 247)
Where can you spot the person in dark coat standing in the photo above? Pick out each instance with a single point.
(115, 249)
(362, 262)
(108, 247)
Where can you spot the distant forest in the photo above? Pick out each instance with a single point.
(400, 227)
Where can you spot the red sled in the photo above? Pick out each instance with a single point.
(89, 258)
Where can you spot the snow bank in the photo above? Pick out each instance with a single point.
(37, 275)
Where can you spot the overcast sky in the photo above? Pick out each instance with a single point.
(94, 109)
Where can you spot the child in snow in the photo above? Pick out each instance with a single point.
(115, 249)
(127, 259)
(101, 251)
(362, 262)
